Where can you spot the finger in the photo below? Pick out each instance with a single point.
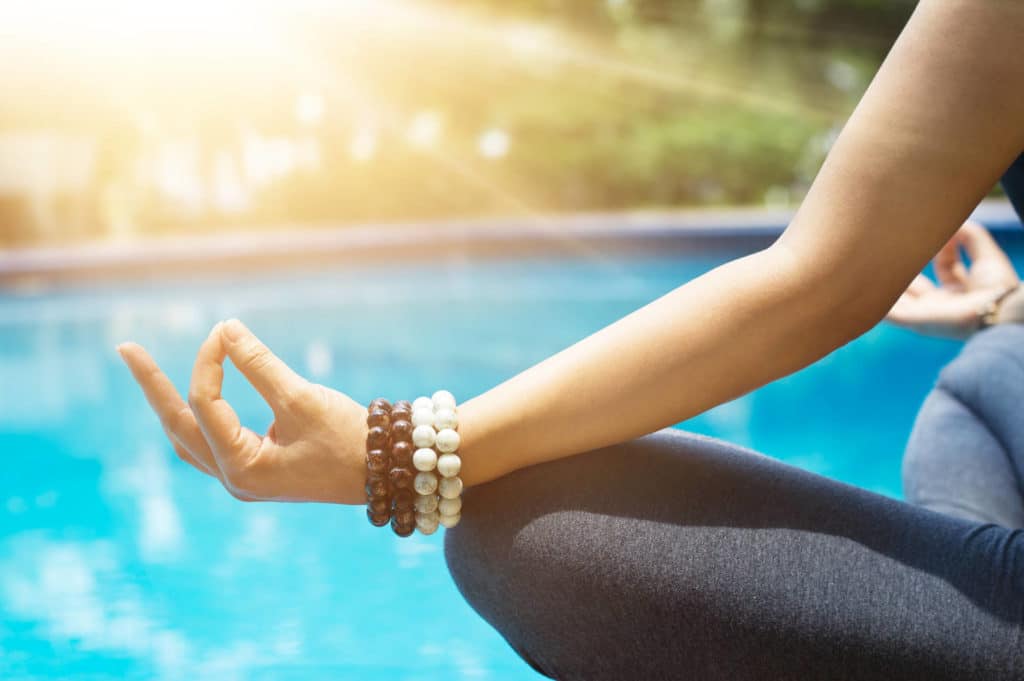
(183, 453)
(920, 286)
(978, 243)
(949, 268)
(238, 494)
(185, 456)
(175, 416)
(902, 312)
(203, 465)
(232, 445)
(272, 378)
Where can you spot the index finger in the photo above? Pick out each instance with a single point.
(232, 445)
(979, 242)
(949, 268)
(271, 377)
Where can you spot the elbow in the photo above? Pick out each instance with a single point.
(839, 304)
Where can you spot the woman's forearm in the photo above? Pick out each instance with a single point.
(939, 124)
(735, 328)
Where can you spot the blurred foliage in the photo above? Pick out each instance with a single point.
(613, 105)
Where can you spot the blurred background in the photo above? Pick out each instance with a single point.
(134, 118)
(397, 197)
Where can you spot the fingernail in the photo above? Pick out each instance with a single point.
(233, 329)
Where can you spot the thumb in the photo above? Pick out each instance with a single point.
(272, 378)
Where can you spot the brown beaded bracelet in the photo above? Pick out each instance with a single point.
(400, 476)
(389, 468)
(378, 462)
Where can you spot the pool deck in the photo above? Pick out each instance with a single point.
(303, 245)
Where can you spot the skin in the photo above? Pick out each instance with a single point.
(951, 309)
(938, 125)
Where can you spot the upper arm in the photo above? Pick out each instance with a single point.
(940, 122)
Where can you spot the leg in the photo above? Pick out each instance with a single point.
(676, 556)
(965, 456)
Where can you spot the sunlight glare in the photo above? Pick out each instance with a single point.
(425, 129)
(363, 145)
(494, 144)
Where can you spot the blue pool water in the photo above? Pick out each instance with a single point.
(118, 561)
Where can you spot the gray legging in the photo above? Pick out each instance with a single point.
(676, 556)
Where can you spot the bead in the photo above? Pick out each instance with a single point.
(379, 403)
(445, 418)
(377, 461)
(450, 520)
(378, 417)
(404, 498)
(401, 430)
(423, 417)
(449, 465)
(428, 522)
(401, 415)
(426, 503)
(401, 454)
(443, 399)
(376, 437)
(449, 488)
(377, 486)
(449, 506)
(400, 477)
(423, 436)
(377, 519)
(401, 529)
(423, 403)
(425, 483)
(447, 440)
(405, 516)
(402, 404)
(424, 459)
(380, 497)
(379, 505)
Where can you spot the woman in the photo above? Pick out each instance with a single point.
(672, 555)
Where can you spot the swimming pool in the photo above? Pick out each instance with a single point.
(118, 561)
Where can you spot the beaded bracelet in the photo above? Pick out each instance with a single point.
(436, 436)
(378, 462)
(423, 441)
(403, 515)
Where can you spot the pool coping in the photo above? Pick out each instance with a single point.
(513, 235)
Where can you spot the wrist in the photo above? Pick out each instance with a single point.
(480, 462)
(1011, 308)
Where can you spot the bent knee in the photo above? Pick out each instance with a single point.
(494, 555)
(993, 358)
(563, 557)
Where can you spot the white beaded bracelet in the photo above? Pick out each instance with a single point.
(435, 434)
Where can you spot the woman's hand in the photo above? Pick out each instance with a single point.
(953, 308)
(313, 451)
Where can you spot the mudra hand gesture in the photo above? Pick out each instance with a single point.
(313, 450)
(953, 309)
